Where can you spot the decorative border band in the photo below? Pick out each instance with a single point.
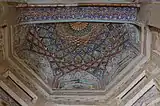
(78, 4)
(77, 13)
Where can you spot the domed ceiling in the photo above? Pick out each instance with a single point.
(77, 55)
(74, 50)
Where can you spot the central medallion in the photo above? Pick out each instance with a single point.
(78, 26)
(78, 33)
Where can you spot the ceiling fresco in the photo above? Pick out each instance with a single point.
(76, 55)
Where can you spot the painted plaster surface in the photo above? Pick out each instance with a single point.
(78, 55)
(77, 13)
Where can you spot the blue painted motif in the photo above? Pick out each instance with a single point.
(78, 13)
(77, 55)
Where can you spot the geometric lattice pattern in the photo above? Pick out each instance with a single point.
(78, 55)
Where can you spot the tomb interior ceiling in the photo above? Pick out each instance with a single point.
(76, 55)
(75, 48)
(83, 53)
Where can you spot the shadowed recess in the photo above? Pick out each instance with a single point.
(7, 100)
